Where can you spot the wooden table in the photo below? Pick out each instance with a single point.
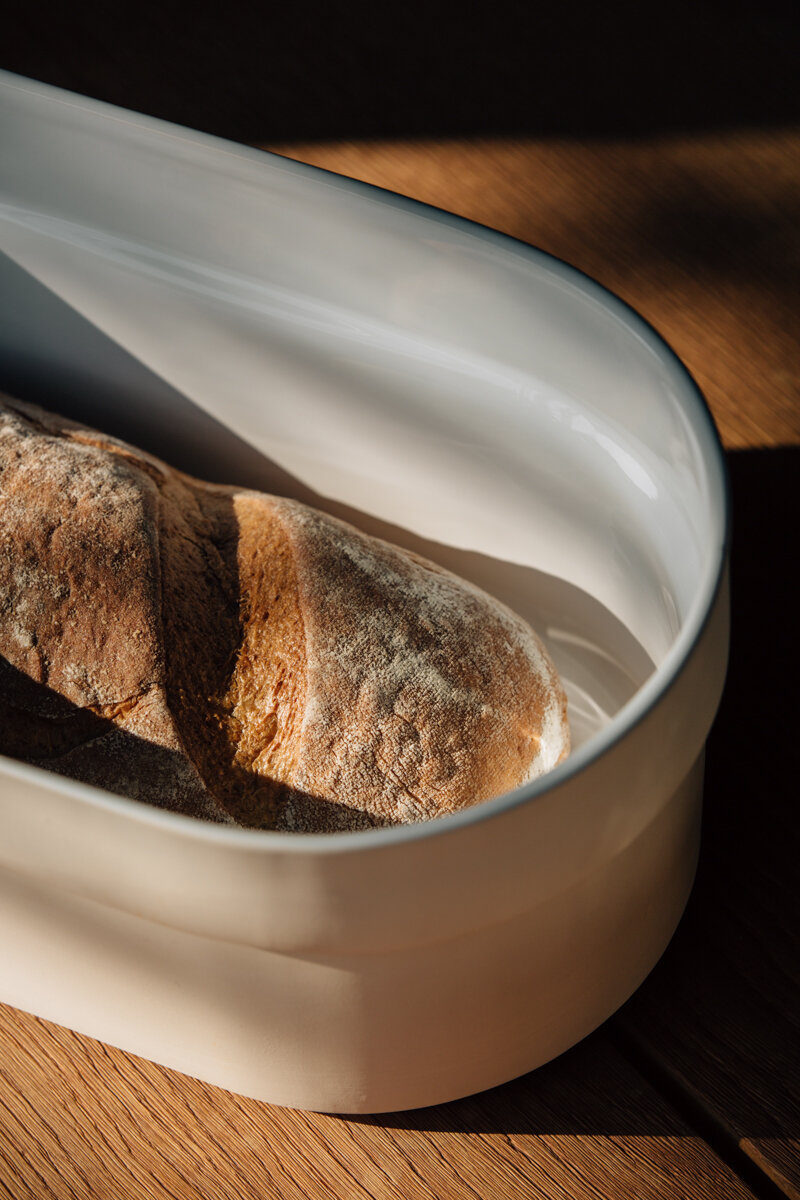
(692, 1089)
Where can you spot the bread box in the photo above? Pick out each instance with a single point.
(259, 322)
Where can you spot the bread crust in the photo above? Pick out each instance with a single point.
(242, 657)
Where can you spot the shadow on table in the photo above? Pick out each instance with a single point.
(713, 1028)
(693, 224)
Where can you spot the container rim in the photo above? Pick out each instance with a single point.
(697, 412)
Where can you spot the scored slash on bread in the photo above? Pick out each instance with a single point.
(243, 657)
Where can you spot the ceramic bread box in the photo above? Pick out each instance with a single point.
(257, 322)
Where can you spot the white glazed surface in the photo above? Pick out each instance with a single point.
(259, 322)
(422, 1024)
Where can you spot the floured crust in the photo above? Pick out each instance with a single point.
(82, 525)
(245, 658)
(424, 694)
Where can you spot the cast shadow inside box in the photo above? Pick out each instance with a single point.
(52, 356)
(751, 744)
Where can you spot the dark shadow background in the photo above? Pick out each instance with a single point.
(273, 72)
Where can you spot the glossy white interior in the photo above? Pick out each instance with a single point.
(387, 356)
(256, 321)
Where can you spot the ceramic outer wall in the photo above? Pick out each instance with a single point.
(398, 968)
(357, 1033)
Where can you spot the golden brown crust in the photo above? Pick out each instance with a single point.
(425, 694)
(242, 657)
(266, 693)
(81, 612)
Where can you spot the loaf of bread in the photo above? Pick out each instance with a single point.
(245, 658)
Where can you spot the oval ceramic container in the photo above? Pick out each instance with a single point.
(261, 322)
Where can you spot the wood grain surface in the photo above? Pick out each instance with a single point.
(692, 1090)
(81, 1119)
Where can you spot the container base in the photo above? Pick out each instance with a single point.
(363, 1033)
